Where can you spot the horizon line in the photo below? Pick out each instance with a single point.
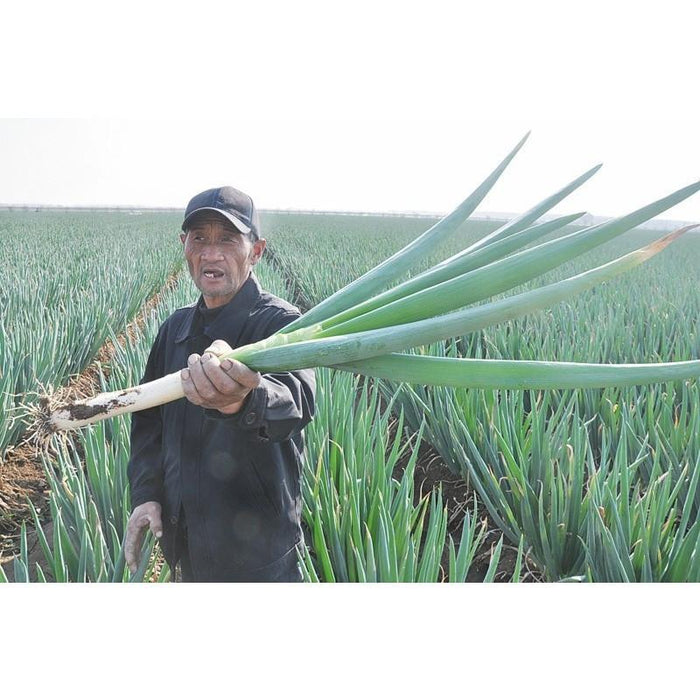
(494, 215)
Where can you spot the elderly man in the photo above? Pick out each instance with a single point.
(216, 476)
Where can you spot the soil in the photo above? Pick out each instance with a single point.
(430, 473)
(21, 480)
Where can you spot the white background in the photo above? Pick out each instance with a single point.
(357, 106)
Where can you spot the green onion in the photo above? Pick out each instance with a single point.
(351, 327)
(518, 374)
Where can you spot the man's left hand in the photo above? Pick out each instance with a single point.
(219, 384)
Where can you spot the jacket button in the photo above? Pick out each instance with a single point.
(173, 520)
(250, 418)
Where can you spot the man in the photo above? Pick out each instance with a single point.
(216, 476)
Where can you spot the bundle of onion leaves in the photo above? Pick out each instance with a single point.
(364, 327)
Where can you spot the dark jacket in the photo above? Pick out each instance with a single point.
(237, 477)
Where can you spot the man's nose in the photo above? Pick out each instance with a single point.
(214, 251)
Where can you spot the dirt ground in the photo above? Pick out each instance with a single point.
(21, 480)
(431, 472)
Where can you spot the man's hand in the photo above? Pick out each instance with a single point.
(145, 516)
(222, 385)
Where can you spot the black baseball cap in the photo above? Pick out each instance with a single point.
(235, 205)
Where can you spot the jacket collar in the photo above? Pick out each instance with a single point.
(230, 319)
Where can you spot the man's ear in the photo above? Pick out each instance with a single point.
(183, 236)
(257, 251)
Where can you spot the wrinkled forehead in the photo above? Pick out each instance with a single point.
(210, 218)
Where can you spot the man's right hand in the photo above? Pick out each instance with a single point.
(145, 516)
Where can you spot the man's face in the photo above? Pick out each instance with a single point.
(219, 258)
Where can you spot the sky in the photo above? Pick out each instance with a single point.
(348, 165)
(358, 107)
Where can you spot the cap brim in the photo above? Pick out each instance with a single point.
(233, 219)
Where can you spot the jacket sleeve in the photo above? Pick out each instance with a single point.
(144, 468)
(283, 403)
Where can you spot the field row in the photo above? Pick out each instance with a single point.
(70, 281)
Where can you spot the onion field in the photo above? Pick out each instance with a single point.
(583, 485)
(69, 282)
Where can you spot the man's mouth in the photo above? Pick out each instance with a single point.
(212, 274)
